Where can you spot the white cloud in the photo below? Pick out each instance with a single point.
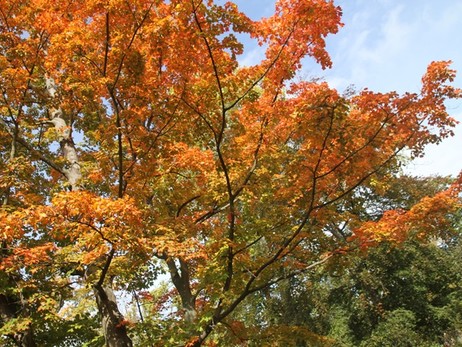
(443, 159)
(386, 45)
(393, 37)
(252, 56)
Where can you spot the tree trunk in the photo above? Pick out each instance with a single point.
(181, 282)
(9, 310)
(26, 339)
(114, 327)
(113, 323)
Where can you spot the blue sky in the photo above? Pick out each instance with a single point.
(386, 45)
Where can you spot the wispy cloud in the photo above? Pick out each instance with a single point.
(386, 45)
(252, 56)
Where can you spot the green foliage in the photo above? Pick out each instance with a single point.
(390, 295)
(419, 279)
(397, 329)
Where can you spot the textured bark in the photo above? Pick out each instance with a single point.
(115, 332)
(181, 281)
(72, 171)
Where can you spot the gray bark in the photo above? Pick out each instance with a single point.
(181, 282)
(115, 333)
(72, 171)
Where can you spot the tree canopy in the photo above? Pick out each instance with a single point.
(395, 294)
(134, 142)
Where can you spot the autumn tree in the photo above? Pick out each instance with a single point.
(133, 138)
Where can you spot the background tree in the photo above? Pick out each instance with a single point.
(134, 138)
(403, 295)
